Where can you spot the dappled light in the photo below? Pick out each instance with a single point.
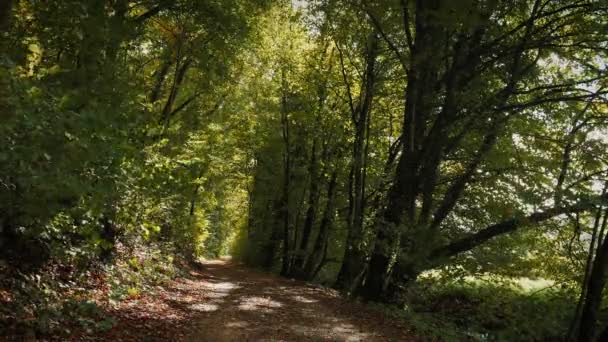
(225, 287)
(303, 299)
(342, 331)
(267, 307)
(204, 307)
(237, 324)
(261, 304)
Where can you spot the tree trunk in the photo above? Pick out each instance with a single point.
(316, 256)
(313, 199)
(161, 75)
(118, 27)
(354, 254)
(401, 201)
(193, 200)
(109, 235)
(180, 75)
(6, 7)
(5, 19)
(604, 335)
(600, 215)
(591, 308)
(388, 226)
(271, 248)
(425, 145)
(284, 212)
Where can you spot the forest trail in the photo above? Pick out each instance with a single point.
(223, 301)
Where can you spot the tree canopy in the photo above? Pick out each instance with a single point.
(366, 145)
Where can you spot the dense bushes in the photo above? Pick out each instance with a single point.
(112, 174)
(489, 310)
(64, 297)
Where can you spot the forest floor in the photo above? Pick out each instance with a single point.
(223, 301)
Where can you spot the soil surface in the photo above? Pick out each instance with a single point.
(223, 301)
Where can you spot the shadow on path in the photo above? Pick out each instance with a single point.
(223, 301)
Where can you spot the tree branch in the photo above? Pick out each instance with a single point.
(406, 24)
(384, 36)
(469, 242)
(163, 4)
(346, 83)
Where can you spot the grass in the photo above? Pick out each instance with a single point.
(479, 309)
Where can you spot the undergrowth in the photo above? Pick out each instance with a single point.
(60, 300)
(484, 311)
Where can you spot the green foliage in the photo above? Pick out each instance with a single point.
(93, 164)
(137, 133)
(140, 272)
(486, 310)
(41, 305)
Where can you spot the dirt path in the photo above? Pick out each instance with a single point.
(226, 302)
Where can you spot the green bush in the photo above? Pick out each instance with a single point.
(486, 311)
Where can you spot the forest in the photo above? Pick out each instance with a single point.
(441, 166)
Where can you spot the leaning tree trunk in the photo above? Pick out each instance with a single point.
(596, 239)
(402, 195)
(597, 282)
(426, 122)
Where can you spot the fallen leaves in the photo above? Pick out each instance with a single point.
(225, 302)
